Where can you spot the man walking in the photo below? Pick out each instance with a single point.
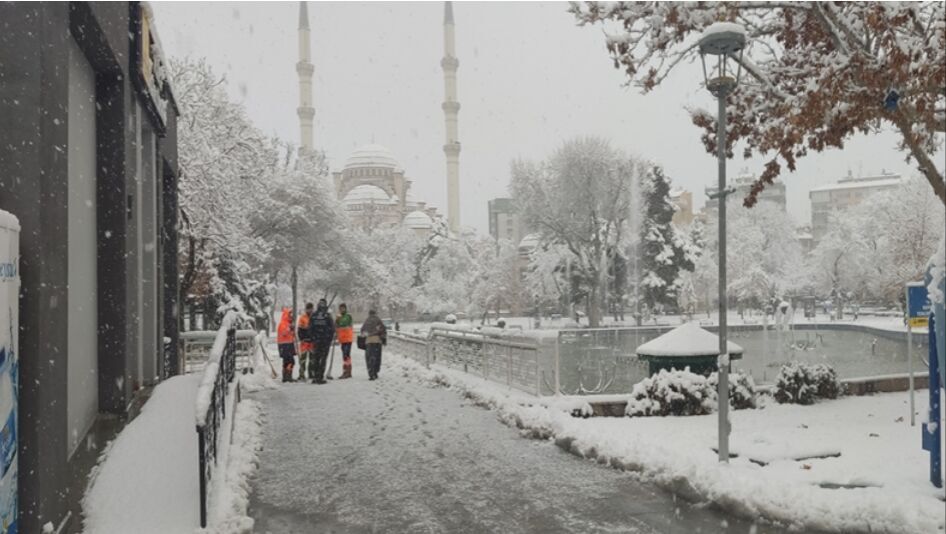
(376, 335)
(286, 341)
(322, 329)
(306, 345)
(346, 334)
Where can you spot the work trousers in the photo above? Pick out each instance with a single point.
(320, 358)
(373, 359)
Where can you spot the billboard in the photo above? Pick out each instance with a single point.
(9, 367)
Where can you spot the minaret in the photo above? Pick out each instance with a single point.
(450, 110)
(305, 69)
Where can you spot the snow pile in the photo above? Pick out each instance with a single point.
(800, 383)
(147, 478)
(786, 454)
(230, 488)
(937, 267)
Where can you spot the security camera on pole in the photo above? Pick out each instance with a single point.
(725, 41)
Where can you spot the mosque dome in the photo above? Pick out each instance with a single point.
(529, 243)
(372, 156)
(418, 220)
(366, 194)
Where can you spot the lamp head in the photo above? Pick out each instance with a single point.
(726, 41)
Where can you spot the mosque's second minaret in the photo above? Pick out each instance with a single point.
(450, 109)
(305, 69)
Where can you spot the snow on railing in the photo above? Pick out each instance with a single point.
(515, 363)
(195, 348)
(211, 402)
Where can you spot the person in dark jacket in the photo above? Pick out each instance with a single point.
(376, 335)
(322, 328)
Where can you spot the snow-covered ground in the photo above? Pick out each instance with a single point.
(878, 450)
(403, 455)
(147, 480)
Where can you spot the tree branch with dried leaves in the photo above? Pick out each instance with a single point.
(820, 72)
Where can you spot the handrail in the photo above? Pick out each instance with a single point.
(211, 402)
(477, 336)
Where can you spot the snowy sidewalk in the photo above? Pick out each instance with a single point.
(148, 482)
(872, 475)
(403, 455)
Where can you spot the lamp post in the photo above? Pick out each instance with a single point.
(725, 41)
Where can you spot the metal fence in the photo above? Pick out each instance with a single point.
(195, 347)
(596, 360)
(514, 363)
(218, 374)
(409, 346)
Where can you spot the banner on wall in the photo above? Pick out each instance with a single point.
(9, 368)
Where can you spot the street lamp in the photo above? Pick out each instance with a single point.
(725, 41)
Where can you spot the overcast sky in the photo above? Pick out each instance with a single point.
(529, 78)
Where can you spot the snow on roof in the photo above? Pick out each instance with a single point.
(529, 242)
(9, 221)
(861, 183)
(723, 27)
(418, 220)
(687, 339)
(366, 194)
(374, 156)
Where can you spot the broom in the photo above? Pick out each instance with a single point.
(266, 357)
(331, 360)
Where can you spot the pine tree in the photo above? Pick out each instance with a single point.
(663, 250)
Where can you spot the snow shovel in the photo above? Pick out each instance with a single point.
(331, 360)
(266, 356)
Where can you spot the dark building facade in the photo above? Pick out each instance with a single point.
(88, 163)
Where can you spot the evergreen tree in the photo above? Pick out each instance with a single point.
(664, 252)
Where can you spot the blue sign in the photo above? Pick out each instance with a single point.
(918, 309)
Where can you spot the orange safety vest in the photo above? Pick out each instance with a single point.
(284, 333)
(346, 334)
(305, 346)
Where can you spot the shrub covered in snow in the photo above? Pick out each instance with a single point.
(742, 393)
(685, 393)
(800, 383)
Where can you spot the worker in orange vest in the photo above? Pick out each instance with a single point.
(346, 334)
(306, 343)
(286, 341)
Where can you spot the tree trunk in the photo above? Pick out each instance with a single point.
(594, 307)
(294, 281)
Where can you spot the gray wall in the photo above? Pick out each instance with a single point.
(82, 290)
(44, 160)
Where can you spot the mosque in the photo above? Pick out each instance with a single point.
(376, 193)
(372, 186)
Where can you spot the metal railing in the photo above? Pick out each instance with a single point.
(409, 346)
(211, 404)
(195, 346)
(597, 360)
(514, 363)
